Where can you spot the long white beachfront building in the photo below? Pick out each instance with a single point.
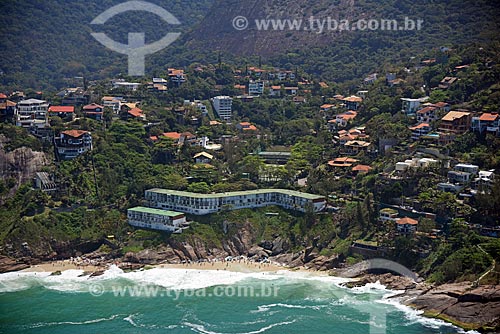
(156, 219)
(202, 204)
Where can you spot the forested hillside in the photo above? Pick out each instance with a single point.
(45, 45)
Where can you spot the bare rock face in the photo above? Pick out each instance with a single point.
(21, 163)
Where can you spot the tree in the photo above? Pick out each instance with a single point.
(174, 181)
(251, 164)
(426, 225)
(199, 187)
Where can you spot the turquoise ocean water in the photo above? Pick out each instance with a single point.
(182, 301)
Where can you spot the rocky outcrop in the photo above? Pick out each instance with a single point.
(21, 163)
(8, 264)
(471, 308)
(393, 282)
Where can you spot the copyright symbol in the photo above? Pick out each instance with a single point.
(240, 23)
(96, 290)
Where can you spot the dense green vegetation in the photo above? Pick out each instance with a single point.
(44, 49)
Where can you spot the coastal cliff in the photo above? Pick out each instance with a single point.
(462, 304)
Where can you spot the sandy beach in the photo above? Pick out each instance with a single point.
(62, 266)
(242, 266)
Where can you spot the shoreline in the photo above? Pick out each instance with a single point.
(422, 296)
(240, 266)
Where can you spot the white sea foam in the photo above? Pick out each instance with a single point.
(265, 308)
(131, 320)
(86, 322)
(201, 329)
(73, 281)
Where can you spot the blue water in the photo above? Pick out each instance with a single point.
(282, 302)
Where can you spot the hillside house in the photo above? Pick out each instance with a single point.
(73, 143)
(67, 113)
(456, 122)
(487, 123)
(406, 226)
(32, 113)
(411, 106)
(203, 158)
(353, 102)
(275, 91)
(388, 214)
(420, 130)
(94, 111)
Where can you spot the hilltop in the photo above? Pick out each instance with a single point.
(52, 44)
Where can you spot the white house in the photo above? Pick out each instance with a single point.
(32, 113)
(473, 169)
(156, 219)
(388, 214)
(410, 106)
(256, 87)
(127, 85)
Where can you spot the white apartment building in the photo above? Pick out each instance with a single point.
(410, 106)
(223, 107)
(202, 204)
(156, 219)
(32, 113)
(256, 87)
(133, 86)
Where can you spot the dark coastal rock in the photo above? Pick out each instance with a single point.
(8, 264)
(280, 245)
(393, 282)
(130, 266)
(475, 308)
(97, 273)
(266, 244)
(258, 252)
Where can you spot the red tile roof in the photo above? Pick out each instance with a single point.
(62, 109)
(421, 125)
(406, 221)
(172, 135)
(348, 115)
(74, 133)
(488, 117)
(92, 106)
(441, 104)
(353, 98)
(3, 96)
(136, 112)
(426, 109)
(361, 168)
(342, 162)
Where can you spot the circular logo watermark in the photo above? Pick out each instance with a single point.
(136, 49)
(240, 23)
(96, 289)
